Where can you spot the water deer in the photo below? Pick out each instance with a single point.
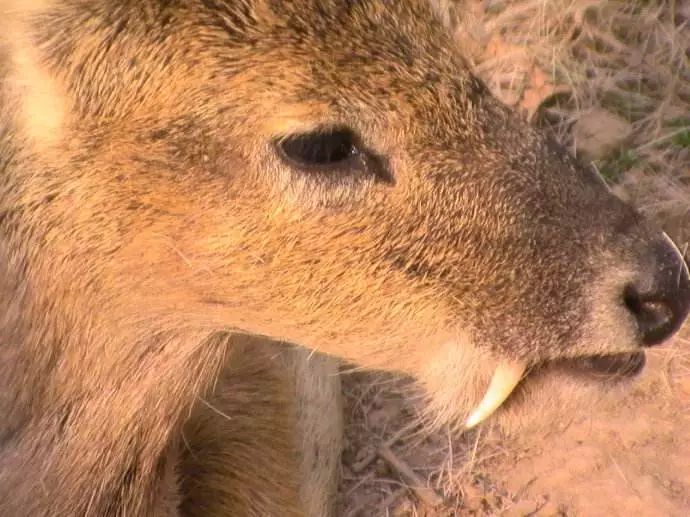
(183, 180)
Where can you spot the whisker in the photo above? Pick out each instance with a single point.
(214, 409)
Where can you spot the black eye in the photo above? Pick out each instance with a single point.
(322, 149)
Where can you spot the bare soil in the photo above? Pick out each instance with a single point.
(612, 80)
(628, 460)
(631, 458)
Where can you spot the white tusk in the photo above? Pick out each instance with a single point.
(503, 382)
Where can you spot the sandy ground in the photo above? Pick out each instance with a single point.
(612, 79)
(633, 459)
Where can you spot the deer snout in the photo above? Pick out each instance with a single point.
(660, 299)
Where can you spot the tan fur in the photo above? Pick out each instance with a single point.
(319, 428)
(246, 419)
(276, 400)
(149, 225)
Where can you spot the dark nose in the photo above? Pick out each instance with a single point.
(661, 301)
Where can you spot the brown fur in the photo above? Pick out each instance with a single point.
(235, 425)
(144, 209)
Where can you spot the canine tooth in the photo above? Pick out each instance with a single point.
(503, 382)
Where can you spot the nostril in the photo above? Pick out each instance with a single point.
(658, 316)
(659, 299)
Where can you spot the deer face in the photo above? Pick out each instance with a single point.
(331, 174)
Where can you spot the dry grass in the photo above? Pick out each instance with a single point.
(561, 60)
(558, 62)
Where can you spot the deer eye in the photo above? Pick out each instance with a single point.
(326, 149)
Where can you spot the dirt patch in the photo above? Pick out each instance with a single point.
(558, 62)
(625, 460)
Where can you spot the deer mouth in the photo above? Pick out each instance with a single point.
(602, 369)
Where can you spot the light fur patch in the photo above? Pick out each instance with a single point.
(297, 118)
(455, 380)
(42, 106)
(319, 426)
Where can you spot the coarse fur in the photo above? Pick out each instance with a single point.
(149, 225)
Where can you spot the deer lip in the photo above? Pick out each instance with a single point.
(510, 376)
(601, 368)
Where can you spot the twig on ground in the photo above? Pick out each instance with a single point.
(416, 484)
(390, 501)
(362, 464)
